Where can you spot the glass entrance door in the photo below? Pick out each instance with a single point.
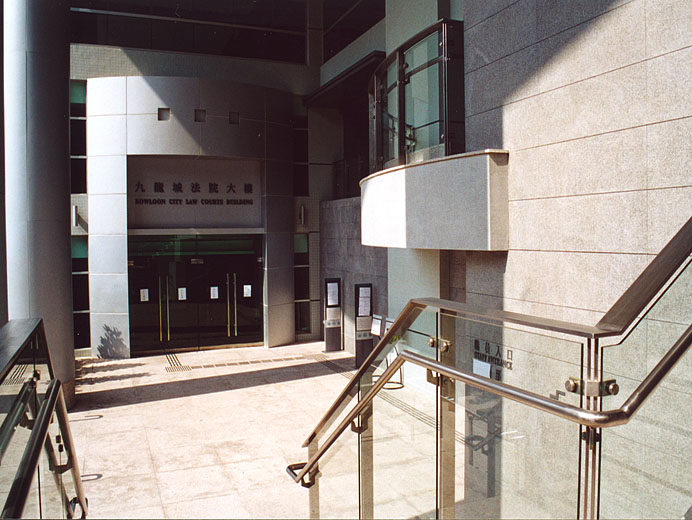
(193, 292)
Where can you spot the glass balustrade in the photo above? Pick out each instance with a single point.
(499, 458)
(335, 493)
(645, 464)
(471, 413)
(399, 469)
(24, 400)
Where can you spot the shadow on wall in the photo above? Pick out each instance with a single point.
(112, 345)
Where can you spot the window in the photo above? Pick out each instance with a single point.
(80, 292)
(78, 176)
(301, 274)
(417, 99)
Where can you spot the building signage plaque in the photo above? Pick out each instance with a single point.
(493, 356)
(186, 193)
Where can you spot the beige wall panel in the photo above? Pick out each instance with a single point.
(579, 280)
(602, 163)
(88, 61)
(669, 154)
(107, 174)
(278, 250)
(219, 138)
(220, 98)
(553, 17)
(149, 136)
(109, 254)
(605, 223)
(508, 31)
(668, 26)
(668, 86)
(325, 136)
(107, 96)
(278, 178)
(402, 286)
(279, 142)
(502, 81)
(279, 106)
(278, 286)
(106, 135)
(110, 335)
(404, 19)
(614, 39)
(484, 130)
(485, 272)
(145, 95)
(279, 324)
(476, 11)
(668, 210)
(321, 181)
(107, 214)
(111, 290)
(609, 102)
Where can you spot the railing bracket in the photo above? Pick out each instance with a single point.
(432, 377)
(592, 388)
(294, 469)
(355, 428)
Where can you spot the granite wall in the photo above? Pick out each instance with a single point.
(343, 256)
(590, 100)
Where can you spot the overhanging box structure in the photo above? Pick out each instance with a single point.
(456, 202)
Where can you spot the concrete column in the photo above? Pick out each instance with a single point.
(3, 258)
(37, 181)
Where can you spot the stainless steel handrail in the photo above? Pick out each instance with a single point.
(9, 425)
(23, 480)
(15, 336)
(615, 321)
(567, 411)
(407, 316)
(68, 441)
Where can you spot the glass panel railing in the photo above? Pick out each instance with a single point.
(335, 493)
(508, 460)
(400, 470)
(500, 458)
(645, 463)
(54, 494)
(39, 474)
(18, 401)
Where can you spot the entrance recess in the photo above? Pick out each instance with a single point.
(189, 292)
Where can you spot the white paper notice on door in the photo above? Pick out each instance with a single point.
(182, 293)
(332, 294)
(247, 291)
(214, 293)
(144, 295)
(481, 368)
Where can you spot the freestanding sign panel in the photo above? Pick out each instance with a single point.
(363, 292)
(332, 315)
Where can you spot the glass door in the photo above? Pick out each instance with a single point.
(193, 292)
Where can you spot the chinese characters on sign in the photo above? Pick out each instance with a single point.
(182, 192)
(497, 357)
(196, 190)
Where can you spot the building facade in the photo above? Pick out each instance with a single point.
(519, 155)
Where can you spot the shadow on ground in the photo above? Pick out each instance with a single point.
(198, 386)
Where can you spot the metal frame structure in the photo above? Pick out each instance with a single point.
(627, 311)
(16, 338)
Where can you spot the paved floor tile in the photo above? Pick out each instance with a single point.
(205, 442)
